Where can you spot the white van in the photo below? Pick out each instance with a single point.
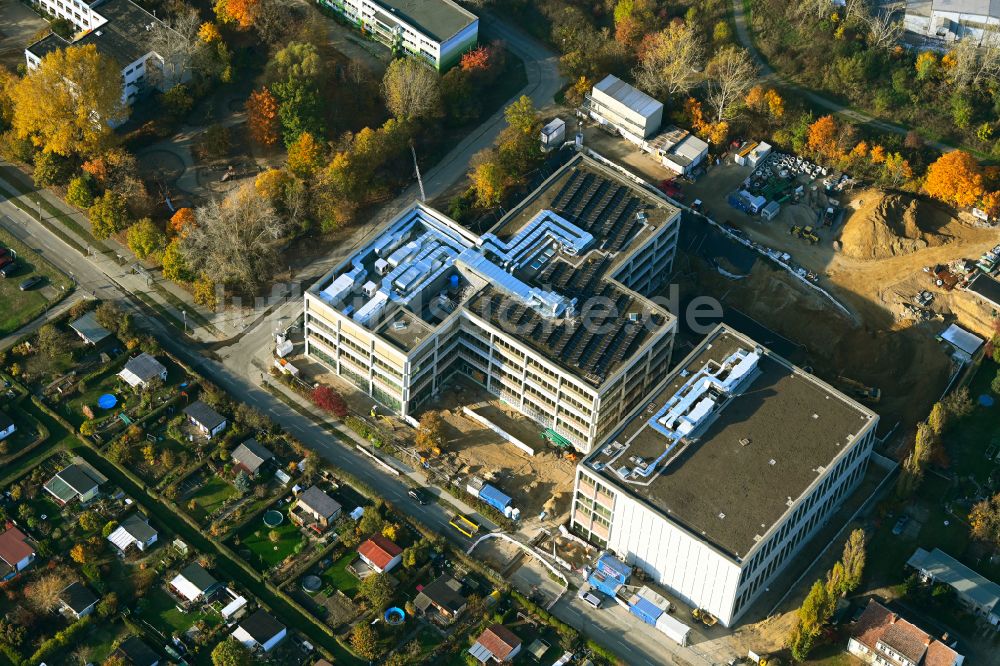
(588, 595)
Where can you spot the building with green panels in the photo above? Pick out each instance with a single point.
(439, 31)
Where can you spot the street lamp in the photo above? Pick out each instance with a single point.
(185, 315)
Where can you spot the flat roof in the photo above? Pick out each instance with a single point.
(986, 288)
(440, 19)
(944, 568)
(728, 469)
(531, 275)
(628, 95)
(125, 36)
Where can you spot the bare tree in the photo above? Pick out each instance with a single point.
(44, 593)
(884, 29)
(236, 239)
(411, 89)
(176, 41)
(977, 61)
(730, 75)
(671, 60)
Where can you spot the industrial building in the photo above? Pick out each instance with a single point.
(977, 593)
(951, 20)
(723, 474)
(439, 31)
(119, 29)
(633, 113)
(678, 150)
(548, 310)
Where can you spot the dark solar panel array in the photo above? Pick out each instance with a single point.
(600, 206)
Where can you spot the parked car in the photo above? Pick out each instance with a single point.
(30, 282)
(587, 594)
(900, 525)
(7, 268)
(418, 495)
(4, 251)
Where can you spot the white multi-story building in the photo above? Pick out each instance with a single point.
(120, 29)
(951, 20)
(439, 31)
(723, 473)
(636, 115)
(548, 311)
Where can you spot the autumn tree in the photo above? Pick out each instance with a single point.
(298, 61)
(955, 178)
(430, 431)
(985, 521)
(730, 74)
(364, 640)
(305, 155)
(669, 60)
(181, 222)
(376, 589)
(633, 19)
(230, 652)
(488, 180)
(56, 104)
(175, 266)
(938, 418)
(145, 238)
(242, 13)
(175, 38)
(234, 241)
(43, 594)
(262, 117)
(411, 89)
(329, 400)
(79, 192)
(853, 562)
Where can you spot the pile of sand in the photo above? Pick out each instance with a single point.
(889, 225)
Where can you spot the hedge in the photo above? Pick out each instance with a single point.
(60, 640)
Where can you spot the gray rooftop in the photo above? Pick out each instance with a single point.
(125, 37)
(729, 479)
(204, 415)
(78, 597)
(944, 568)
(319, 501)
(198, 576)
(88, 328)
(139, 528)
(75, 480)
(986, 288)
(145, 367)
(262, 626)
(980, 7)
(628, 95)
(251, 455)
(440, 19)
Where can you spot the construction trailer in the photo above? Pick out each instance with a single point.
(771, 210)
(553, 135)
(609, 575)
(493, 496)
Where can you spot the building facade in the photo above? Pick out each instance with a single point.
(951, 20)
(636, 115)
(439, 31)
(428, 299)
(118, 29)
(711, 491)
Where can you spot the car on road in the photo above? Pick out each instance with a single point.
(587, 594)
(30, 282)
(900, 525)
(419, 495)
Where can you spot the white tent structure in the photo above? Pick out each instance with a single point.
(962, 340)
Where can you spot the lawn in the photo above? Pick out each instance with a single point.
(968, 440)
(17, 307)
(260, 551)
(211, 496)
(161, 612)
(339, 577)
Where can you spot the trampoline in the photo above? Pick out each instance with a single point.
(312, 584)
(107, 401)
(273, 518)
(394, 616)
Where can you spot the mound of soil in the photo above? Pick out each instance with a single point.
(890, 225)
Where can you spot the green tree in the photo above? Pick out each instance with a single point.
(79, 192)
(50, 341)
(853, 561)
(377, 590)
(174, 266)
(89, 521)
(145, 238)
(242, 483)
(108, 215)
(299, 109)
(411, 89)
(995, 384)
(108, 528)
(297, 61)
(177, 101)
(51, 169)
(231, 652)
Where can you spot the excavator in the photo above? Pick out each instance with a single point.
(805, 233)
(864, 393)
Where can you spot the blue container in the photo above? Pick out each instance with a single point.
(645, 611)
(495, 498)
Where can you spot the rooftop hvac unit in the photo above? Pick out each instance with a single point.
(370, 288)
(381, 266)
(623, 472)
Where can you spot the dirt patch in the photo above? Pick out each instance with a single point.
(543, 482)
(882, 225)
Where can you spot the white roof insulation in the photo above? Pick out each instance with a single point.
(962, 339)
(187, 589)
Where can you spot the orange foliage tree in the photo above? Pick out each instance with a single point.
(241, 12)
(305, 155)
(823, 138)
(262, 117)
(476, 60)
(714, 133)
(181, 222)
(955, 178)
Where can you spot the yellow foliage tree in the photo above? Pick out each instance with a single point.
(305, 155)
(775, 103)
(955, 178)
(56, 104)
(271, 183)
(209, 33)
(877, 154)
(489, 181)
(991, 204)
